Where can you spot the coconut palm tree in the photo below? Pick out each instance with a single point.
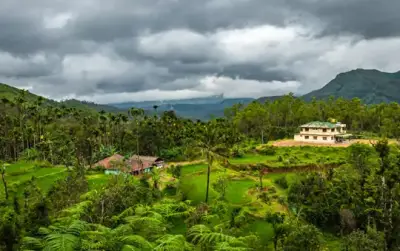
(211, 144)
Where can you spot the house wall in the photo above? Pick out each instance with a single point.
(315, 138)
(114, 172)
(328, 131)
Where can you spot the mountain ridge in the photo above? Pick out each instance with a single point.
(370, 85)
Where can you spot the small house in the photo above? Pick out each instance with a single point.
(143, 164)
(322, 132)
(112, 164)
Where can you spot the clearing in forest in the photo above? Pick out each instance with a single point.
(19, 173)
(291, 143)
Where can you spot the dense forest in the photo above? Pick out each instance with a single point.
(357, 201)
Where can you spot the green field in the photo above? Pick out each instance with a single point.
(296, 156)
(97, 181)
(19, 173)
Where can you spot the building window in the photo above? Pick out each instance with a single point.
(315, 137)
(306, 137)
(306, 129)
(324, 138)
(331, 138)
(324, 130)
(333, 129)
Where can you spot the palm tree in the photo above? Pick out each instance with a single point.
(137, 114)
(212, 144)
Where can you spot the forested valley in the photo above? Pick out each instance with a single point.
(224, 187)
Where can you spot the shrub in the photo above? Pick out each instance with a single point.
(306, 156)
(264, 197)
(281, 200)
(237, 152)
(267, 150)
(271, 190)
(175, 153)
(282, 182)
(280, 159)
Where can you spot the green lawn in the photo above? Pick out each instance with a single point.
(237, 191)
(97, 181)
(19, 173)
(296, 156)
(194, 180)
(190, 169)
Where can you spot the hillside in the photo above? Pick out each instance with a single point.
(193, 108)
(10, 92)
(371, 86)
(269, 98)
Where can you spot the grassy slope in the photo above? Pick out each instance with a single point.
(302, 155)
(21, 172)
(194, 183)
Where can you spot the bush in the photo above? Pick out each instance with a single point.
(264, 197)
(237, 152)
(176, 154)
(281, 200)
(280, 159)
(271, 190)
(282, 182)
(267, 150)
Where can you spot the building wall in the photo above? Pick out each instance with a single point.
(315, 138)
(111, 172)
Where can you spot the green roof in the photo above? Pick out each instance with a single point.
(319, 124)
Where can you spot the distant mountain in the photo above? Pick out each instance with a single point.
(193, 108)
(269, 98)
(371, 86)
(10, 92)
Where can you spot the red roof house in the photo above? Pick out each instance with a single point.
(108, 162)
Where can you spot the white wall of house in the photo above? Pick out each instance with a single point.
(329, 139)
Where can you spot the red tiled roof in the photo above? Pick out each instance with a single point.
(137, 163)
(107, 162)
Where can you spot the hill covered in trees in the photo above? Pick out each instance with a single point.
(371, 86)
(10, 93)
(240, 194)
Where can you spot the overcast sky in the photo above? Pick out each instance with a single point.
(130, 50)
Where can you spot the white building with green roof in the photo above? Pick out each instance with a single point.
(321, 132)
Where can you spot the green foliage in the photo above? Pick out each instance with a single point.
(266, 150)
(282, 182)
(303, 238)
(361, 241)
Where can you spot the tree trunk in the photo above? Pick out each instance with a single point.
(4, 182)
(262, 137)
(208, 176)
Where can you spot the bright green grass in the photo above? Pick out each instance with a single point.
(19, 173)
(194, 186)
(20, 167)
(189, 169)
(303, 155)
(236, 192)
(97, 181)
(194, 181)
(263, 229)
(290, 177)
(38, 173)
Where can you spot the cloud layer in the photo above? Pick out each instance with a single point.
(122, 50)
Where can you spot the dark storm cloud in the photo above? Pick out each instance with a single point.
(131, 46)
(369, 18)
